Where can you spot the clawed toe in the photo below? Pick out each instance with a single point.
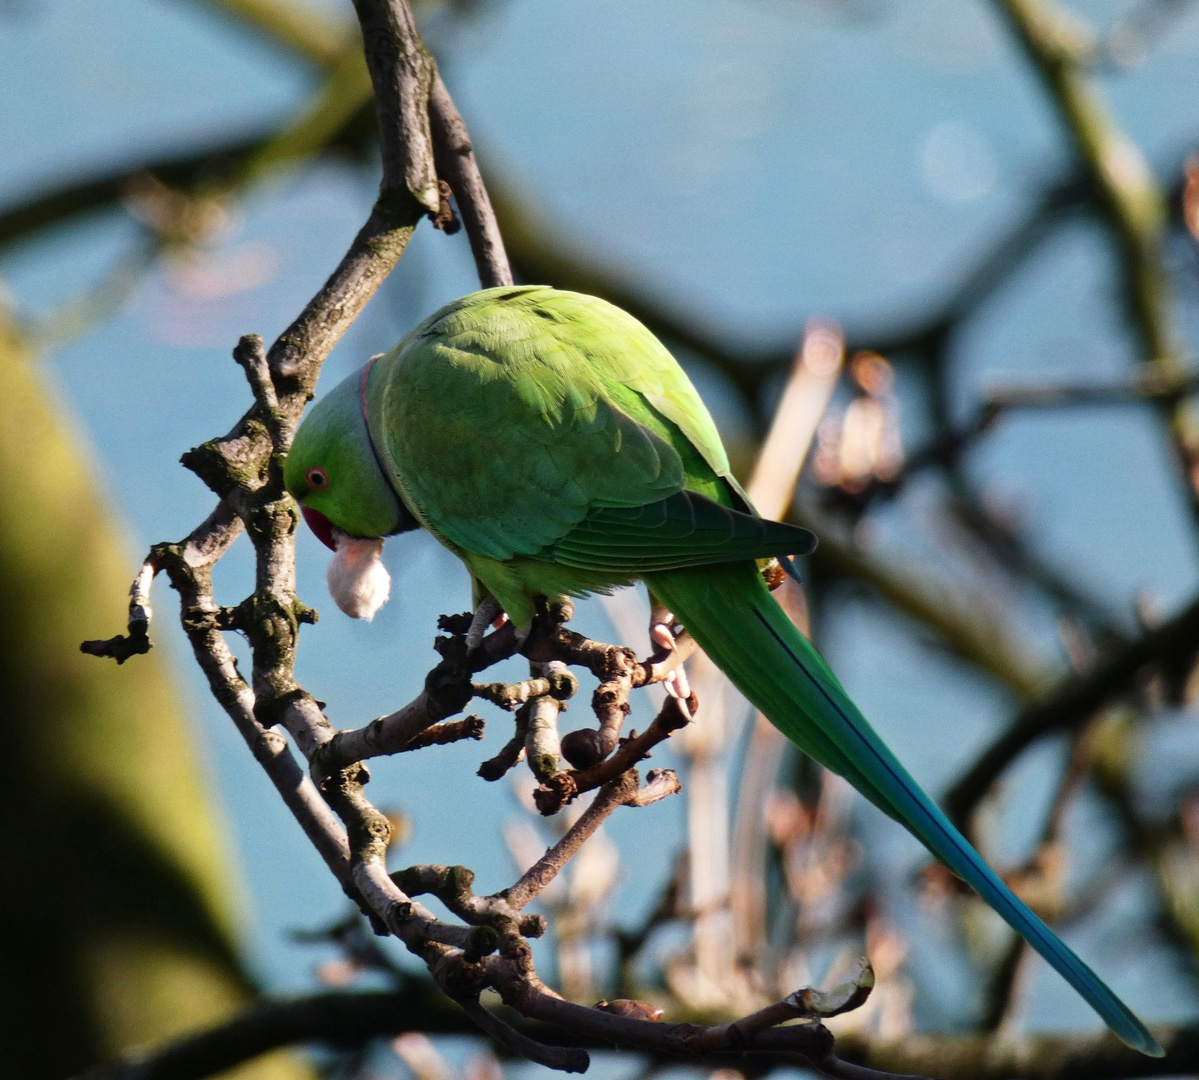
(488, 612)
(677, 685)
(661, 637)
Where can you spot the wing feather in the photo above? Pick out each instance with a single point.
(685, 529)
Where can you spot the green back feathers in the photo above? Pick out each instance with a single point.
(548, 404)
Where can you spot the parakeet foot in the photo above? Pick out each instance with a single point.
(677, 686)
(487, 612)
(663, 638)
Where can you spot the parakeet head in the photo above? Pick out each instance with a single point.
(348, 502)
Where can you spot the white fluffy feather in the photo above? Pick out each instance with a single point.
(358, 581)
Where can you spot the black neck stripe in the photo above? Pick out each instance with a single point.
(407, 519)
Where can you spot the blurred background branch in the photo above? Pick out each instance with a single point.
(116, 918)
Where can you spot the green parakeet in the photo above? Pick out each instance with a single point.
(552, 443)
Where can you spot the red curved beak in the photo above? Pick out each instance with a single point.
(320, 525)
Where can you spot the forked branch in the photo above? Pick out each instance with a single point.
(419, 132)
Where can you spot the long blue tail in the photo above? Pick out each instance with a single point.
(733, 617)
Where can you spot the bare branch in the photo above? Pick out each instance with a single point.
(619, 673)
(121, 647)
(251, 355)
(456, 164)
(511, 754)
(558, 683)
(189, 564)
(542, 744)
(402, 72)
(659, 784)
(448, 690)
(472, 727)
(618, 792)
(346, 1019)
(807, 1004)
(811, 1040)
(244, 468)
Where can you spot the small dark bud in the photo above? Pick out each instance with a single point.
(444, 218)
(584, 748)
(448, 692)
(492, 770)
(119, 648)
(635, 1010)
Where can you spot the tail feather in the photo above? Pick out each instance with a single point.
(733, 617)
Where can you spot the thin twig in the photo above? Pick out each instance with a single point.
(452, 885)
(448, 690)
(472, 727)
(812, 1040)
(623, 791)
(137, 642)
(455, 158)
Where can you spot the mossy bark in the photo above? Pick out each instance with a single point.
(115, 921)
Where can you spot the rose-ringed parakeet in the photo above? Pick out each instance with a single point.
(553, 444)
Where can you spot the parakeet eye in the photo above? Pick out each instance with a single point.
(317, 478)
